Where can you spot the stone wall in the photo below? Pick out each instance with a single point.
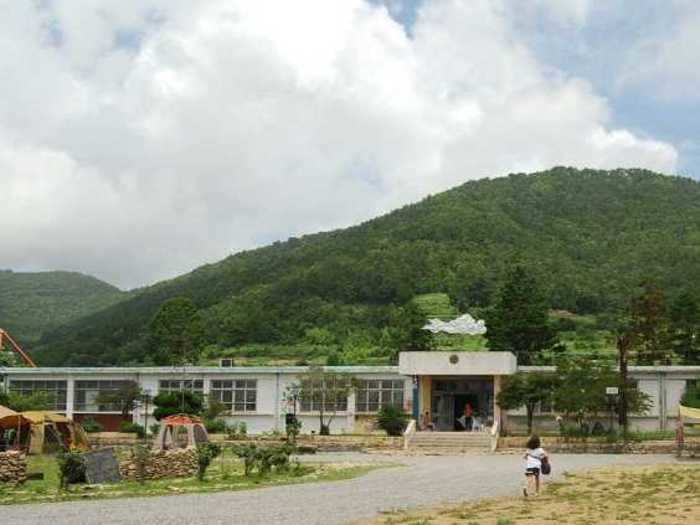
(13, 467)
(332, 443)
(181, 463)
(561, 445)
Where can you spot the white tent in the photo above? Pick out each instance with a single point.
(464, 324)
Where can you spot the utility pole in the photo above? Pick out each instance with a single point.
(624, 342)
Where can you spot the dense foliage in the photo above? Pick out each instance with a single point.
(34, 303)
(519, 320)
(171, 403)
(526, 390)
(588, 236)
(392, 420)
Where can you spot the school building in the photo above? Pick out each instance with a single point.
(439, 383)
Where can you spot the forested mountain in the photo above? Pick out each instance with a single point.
(590, 236)
(32, 303)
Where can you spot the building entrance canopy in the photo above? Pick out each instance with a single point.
(457, 363)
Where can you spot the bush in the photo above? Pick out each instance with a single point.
(392, 420)
(206, 452)
(132, 428)
(171, 403)
(71, 468)
(91, 426)
(691, 396)
(154, 428)
(237, 430)
(264, 459)
(215, 426)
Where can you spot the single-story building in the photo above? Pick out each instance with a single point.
(440, 383)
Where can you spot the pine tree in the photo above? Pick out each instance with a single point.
(519, 321)
(649, 326)
(685, 328)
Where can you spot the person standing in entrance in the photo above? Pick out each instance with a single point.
(534, 456)
(468, 416)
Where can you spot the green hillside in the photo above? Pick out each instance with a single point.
(32, 303)
(590, 236)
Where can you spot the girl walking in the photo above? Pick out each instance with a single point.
(534, 456)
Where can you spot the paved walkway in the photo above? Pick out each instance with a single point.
(424, 480)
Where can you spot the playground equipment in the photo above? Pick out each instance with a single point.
(16, 348)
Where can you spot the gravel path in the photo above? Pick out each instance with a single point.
(424, 480)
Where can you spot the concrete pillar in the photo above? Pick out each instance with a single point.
(70, 397)
(426, 393)
(498, 414)
(278, 401)
(415, 398)
(350, 422)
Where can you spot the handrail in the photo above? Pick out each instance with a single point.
(408, 433)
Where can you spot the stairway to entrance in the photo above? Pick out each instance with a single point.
(451, 441)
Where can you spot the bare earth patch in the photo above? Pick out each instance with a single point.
(661, 495)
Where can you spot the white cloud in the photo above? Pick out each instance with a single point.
(236, 122)
(665, 64)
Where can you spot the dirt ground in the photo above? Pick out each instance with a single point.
(661, 495)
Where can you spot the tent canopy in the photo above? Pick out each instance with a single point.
(10, 419)
(689, 413)
(38, 417)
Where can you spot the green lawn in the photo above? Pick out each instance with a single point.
(226, 473)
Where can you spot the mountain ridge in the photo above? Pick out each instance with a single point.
(590, 235)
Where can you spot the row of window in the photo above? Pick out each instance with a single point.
(237, 395)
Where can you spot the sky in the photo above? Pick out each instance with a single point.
(140, 139)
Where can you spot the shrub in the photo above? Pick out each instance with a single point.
(91, 426)
(691, 396)
(171, 403)
(392, 420)
(263, 459)
(71, 468)
(237, 430)
(154, 428)
(215, 426)
(132, 428)
(206, 452)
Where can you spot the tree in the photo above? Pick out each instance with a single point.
(171, 403)
(580, 391)
(649, 326)
(519, 321)
(406, 330)
(685, 328)
(177, 333)
(21, 403)
(126, 397)
(323, 392)
(528, 390)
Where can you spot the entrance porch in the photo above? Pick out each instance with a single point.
(456, 391)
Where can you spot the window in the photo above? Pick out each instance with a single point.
(87, 392)
(332, 397)
(226, 362)
(239, 395)
(178, 385)
(372, 395)
(55, 390)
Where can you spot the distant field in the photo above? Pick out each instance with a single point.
(581, 337)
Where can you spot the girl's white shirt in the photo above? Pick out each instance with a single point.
(534, 458)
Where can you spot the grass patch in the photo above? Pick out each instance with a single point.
(665, 495)
(225, 474)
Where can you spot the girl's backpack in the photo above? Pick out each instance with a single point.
(546, 467)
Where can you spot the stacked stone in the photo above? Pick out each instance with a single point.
(181, 463)
(13, 467)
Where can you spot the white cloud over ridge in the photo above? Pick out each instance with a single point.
(140, 139)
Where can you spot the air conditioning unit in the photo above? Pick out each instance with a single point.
(226, 362)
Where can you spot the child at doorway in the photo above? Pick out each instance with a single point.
(533, 466)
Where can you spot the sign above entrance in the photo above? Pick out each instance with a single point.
(457, 363)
